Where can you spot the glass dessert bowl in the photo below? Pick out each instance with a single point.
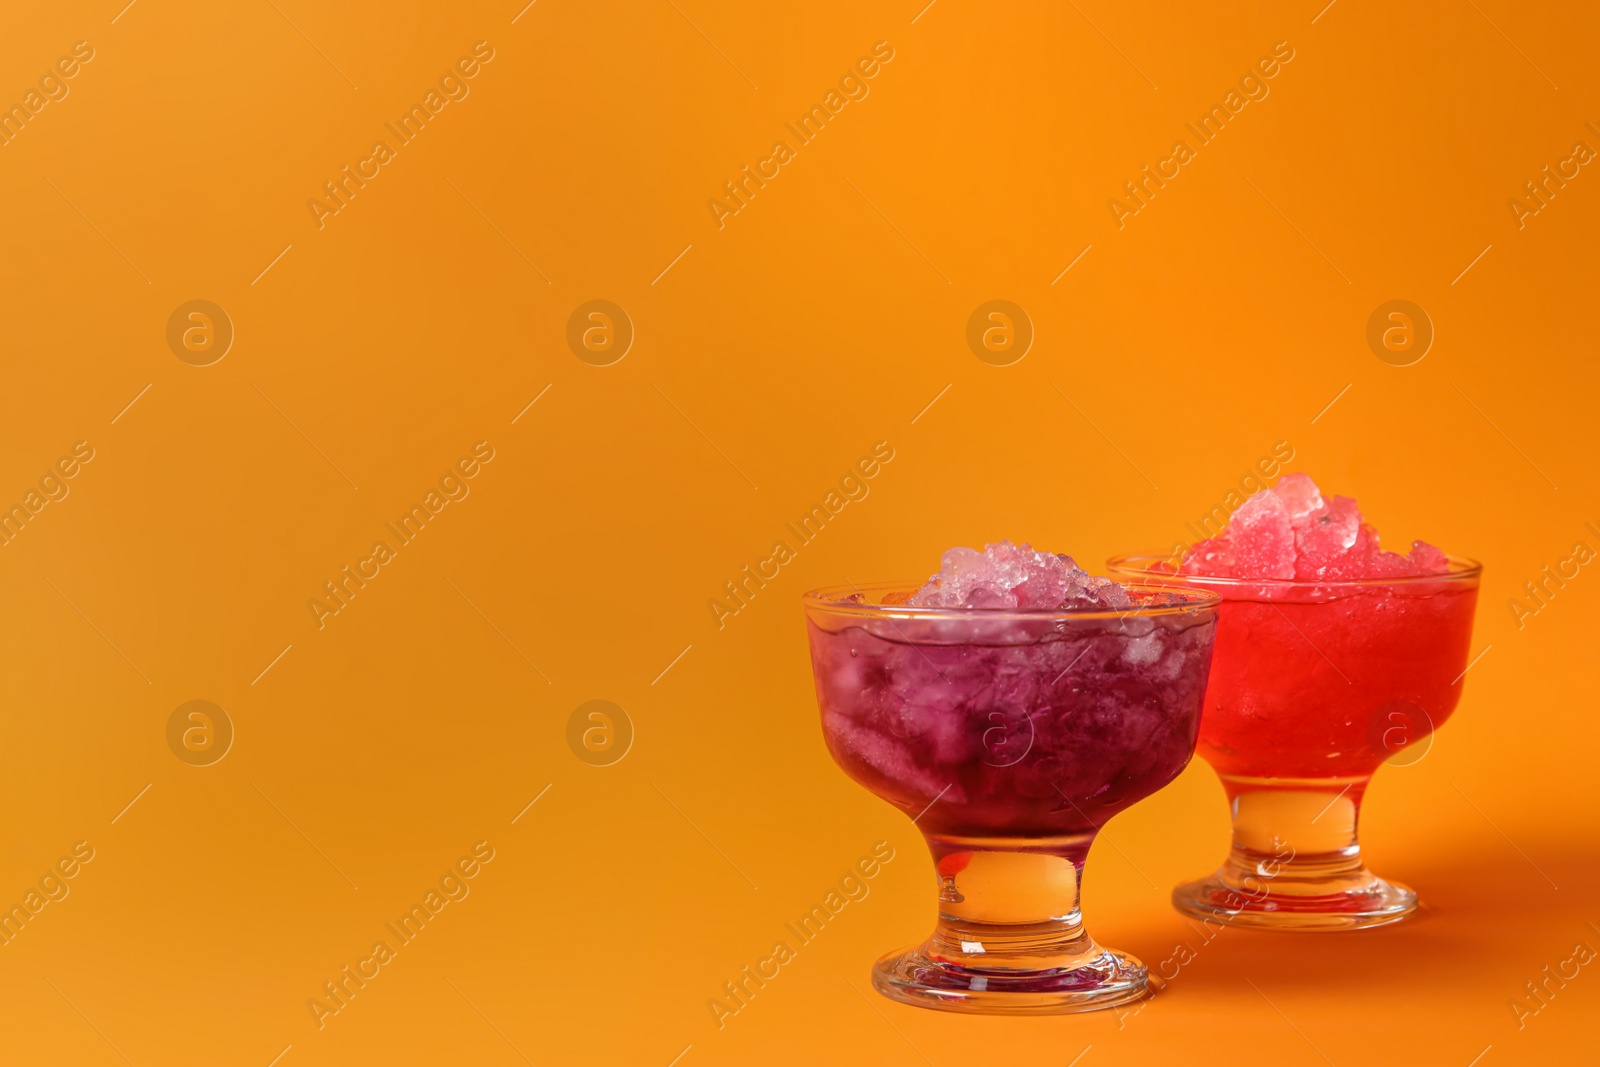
(1317, 680)
(1010, 735)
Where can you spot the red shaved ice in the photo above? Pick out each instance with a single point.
(1292, 532)
(1322, 634)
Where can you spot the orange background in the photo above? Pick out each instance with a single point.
(424, 717)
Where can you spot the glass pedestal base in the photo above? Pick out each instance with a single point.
(1009, 939)
(1106, 980)
(1372, 901)
(1295, 863)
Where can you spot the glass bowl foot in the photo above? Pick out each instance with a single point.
(1105, 980)
(1350, 903)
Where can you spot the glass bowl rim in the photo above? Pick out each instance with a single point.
(830, 599)
(1462, 570)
